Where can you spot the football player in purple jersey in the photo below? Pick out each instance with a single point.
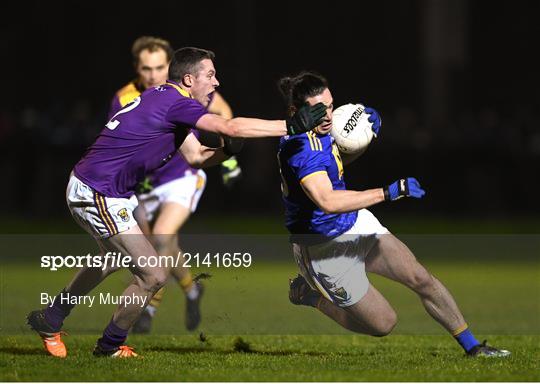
(169, 195)
(336, 239)
(138, 139)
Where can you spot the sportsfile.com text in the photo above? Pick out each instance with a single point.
(117, 260)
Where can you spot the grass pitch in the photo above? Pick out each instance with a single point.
(279, 341)
(273, 358)
(252, 332)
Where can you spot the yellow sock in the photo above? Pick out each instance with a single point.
(156, 300)
(186, 283)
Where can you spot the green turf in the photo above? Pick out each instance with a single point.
(273, 358)
(500, 300)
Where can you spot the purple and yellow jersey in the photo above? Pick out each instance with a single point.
(124, 96)
(300, 157)
(177, 166)
(140, 138)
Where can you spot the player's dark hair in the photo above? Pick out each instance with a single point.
(187, 60)
(297, 89)
(152, 44)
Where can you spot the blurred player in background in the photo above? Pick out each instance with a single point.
(335, 239)
(169, 195)
(138, 139)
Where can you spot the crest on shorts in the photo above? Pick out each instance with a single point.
(123, 214)
(342, 294)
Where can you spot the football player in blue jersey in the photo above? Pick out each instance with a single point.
(336, 239)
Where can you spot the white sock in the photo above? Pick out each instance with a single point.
(193, 293)
(151, 310)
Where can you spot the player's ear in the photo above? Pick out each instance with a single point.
(187, 80)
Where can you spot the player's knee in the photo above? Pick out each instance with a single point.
(154, 282)
(385, 324)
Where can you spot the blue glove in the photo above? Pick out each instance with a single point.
(409, 187)
(375, 119)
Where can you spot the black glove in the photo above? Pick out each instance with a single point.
(232, 145)
(306, 118)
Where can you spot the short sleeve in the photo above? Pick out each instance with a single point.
(305, 161)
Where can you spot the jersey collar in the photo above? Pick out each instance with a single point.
(180, 90)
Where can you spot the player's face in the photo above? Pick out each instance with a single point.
(152, 68)
(204, 82)
(326, 98)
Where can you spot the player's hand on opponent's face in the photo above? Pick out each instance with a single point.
(306, 118)
(409, 187)
(375, 119)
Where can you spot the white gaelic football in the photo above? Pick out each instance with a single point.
(351, 129)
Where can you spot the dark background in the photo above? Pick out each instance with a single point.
(457, 84)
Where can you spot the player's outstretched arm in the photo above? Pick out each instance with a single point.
(305, 119)
(200, 156)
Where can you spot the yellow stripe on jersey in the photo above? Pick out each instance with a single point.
(183, 92)
(311, 174)
(339, 162)
(314, 141)
(318, 141)
(127, 94)
(312, 146)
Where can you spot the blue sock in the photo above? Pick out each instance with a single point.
(466, 339)
(113, 337)
(56, 313)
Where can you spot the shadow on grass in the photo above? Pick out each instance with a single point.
(22, 351)
(184, 350)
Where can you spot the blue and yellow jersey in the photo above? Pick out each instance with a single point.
(300, 157)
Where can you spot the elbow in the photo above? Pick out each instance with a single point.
(194, 161)
(327, 207)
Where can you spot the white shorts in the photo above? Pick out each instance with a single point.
(336, 268)
(186, 191)
(99, 215)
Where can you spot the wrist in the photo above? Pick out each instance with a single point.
(386, 193)
(289, 127)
